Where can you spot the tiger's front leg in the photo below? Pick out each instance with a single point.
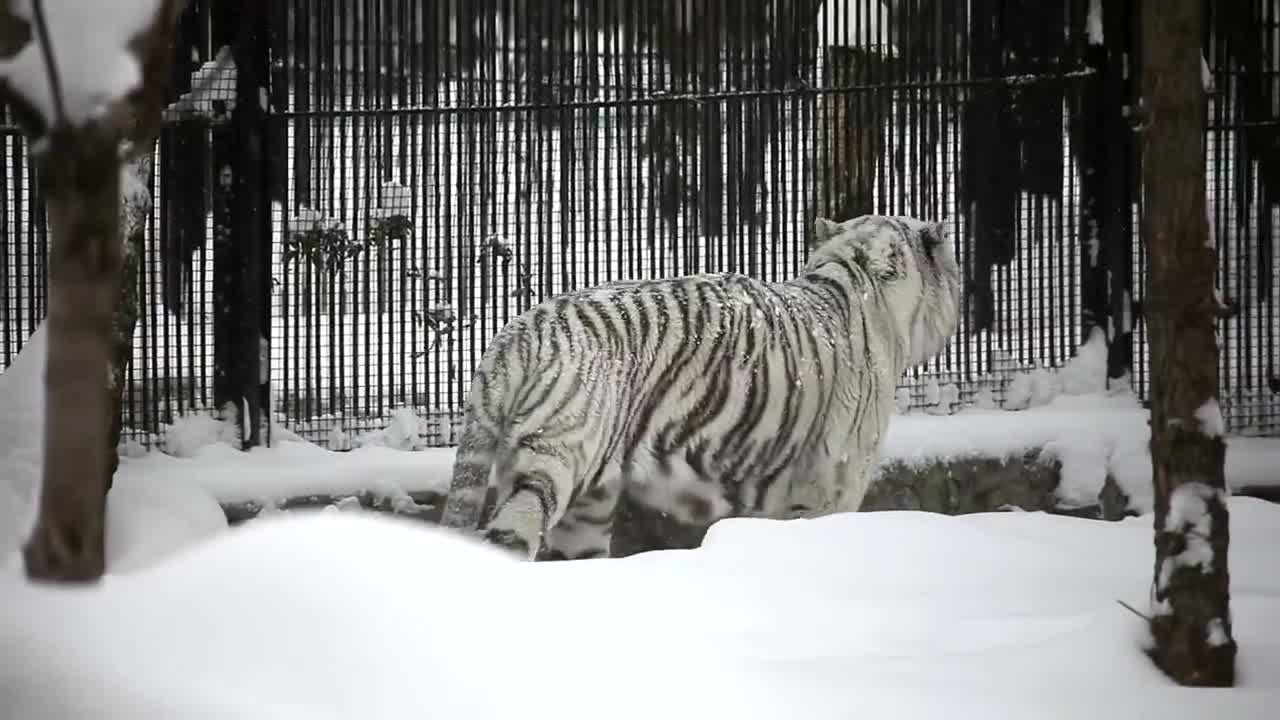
(855, 475)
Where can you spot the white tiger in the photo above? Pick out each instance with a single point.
(703, 396)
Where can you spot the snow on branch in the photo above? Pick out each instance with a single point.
(88, 58)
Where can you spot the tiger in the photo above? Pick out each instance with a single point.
(703, 396)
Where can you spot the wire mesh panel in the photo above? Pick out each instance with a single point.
(436, 168)
(451, 165)
(23, 245)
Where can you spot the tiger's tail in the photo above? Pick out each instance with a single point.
(472, 470)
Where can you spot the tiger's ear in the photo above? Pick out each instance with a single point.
(933, 236)
(823, 230)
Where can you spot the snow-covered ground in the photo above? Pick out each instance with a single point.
(196, 467)
(145, 517)
(347, 614)
(896, 614)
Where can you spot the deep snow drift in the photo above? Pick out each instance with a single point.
(147, 517)
(894, 614)
(339, 615)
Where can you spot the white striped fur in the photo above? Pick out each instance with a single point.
(703, 396)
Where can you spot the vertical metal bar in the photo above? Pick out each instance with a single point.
(567, 150)
(22, 255)
(1267, 316)
(449, 235)
(606, 57)
(9, 280)
(303, 53)
(368, 187)
(402, 280)
(635, 119)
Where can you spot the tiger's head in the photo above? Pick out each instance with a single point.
(913, 267)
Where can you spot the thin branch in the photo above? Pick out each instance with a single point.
(1131, 609)
(46, 49)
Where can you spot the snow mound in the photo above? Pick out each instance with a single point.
(188, 434)
(296, 469)
(338, 615)
(404, 432)
(21, 451)
(1093, 436)
(148, 520)
(147, 517)
(892, 614)
(1084, 374)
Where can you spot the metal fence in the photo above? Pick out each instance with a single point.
(425, 171)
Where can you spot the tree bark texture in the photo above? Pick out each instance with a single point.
(1191, 619)
(79, 174)
(79, 177)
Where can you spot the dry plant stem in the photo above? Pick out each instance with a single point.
(79, 176)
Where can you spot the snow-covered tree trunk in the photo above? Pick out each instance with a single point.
(1190, 613)
(87, 83)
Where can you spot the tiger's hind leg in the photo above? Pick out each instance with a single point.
(586, 530)
(536, 488)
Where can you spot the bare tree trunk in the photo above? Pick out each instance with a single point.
(1191, 617)
(79, 171)
(79, 176)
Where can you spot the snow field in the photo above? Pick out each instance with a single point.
(348, 614)
(895, 614)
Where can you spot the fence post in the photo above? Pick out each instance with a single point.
(990, 166)
(1104, 144)
(241, 218)
(1122, 177)
(277, 76)
(184, 165)
(226, 274)
(251, 216)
